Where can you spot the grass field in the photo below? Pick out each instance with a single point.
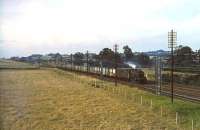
(10, 64)
(45, 99)
(52, 99)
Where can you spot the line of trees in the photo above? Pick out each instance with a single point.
(185, 56)
(107, 58)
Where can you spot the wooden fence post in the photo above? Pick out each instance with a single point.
(192, 124)
(176, 118)
(125, 94)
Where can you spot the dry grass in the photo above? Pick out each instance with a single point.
(52, 100)
(10, 64)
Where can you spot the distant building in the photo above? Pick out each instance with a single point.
(66, 58)
(45, 58)
(35, 58)
(15, 58)
(91, 57)
(196, 57)
(24, 59)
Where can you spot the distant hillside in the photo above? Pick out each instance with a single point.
(157, 53)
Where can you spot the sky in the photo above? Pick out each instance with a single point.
(67, 26)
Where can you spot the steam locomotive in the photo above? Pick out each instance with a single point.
(130, 74)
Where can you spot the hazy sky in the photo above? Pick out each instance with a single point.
(65, 26)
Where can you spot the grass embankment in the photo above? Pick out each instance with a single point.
(54, 99)
(10, 64)
(184, 78)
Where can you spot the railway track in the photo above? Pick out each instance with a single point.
(181, 92)
(192, 94)
(184, 91)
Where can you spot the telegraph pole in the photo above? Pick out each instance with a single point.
(115, 50)
(197, 55)
(71, 61)
(39, 61)
(87, 55)
(172, 36)
(101, 66)
(198, 52)
(61, 64)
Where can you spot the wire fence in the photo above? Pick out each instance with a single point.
(180, 121)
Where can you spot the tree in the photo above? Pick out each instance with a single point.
(108, 57)
(107, 54)
(183, 56)
(143, 59)
(128, 53)
(58, 57)
(78, 58)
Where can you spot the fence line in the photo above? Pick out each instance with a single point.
(140, 100)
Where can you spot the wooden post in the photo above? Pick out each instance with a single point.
(151, 103)
(125, 94)
(176, 118)
(115, 50)
(95, 84)
(119, 91)
(161, 111)
(192, 124)
(141, 100)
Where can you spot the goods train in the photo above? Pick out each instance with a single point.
(126, 74)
